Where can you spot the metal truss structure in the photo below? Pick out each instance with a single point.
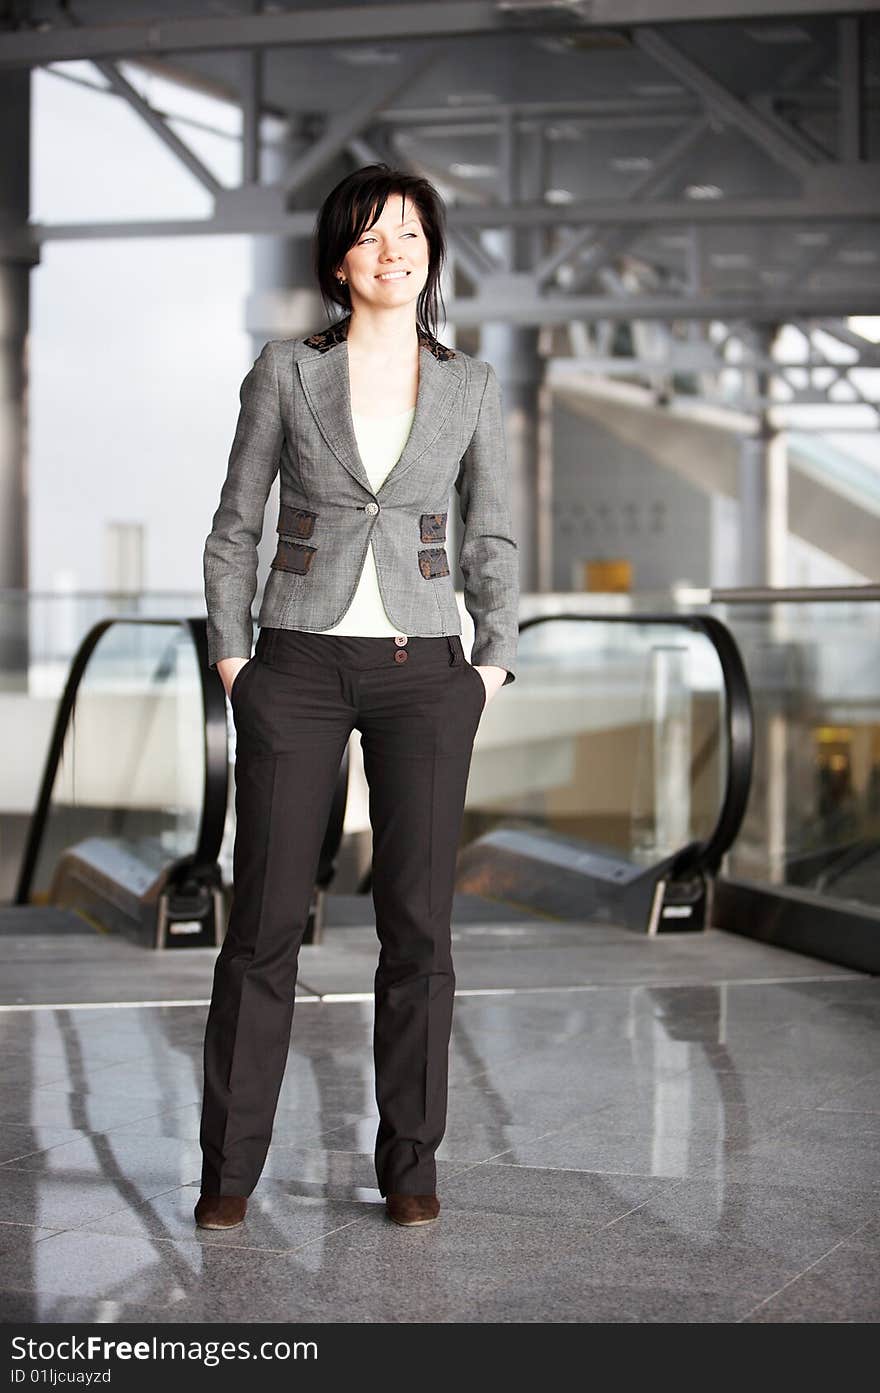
(734, 367)
(667, 194)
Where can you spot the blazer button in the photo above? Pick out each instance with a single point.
(400, 640)
(372, 509)
(401, 655)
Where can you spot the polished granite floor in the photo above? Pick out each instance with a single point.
(678, 1129)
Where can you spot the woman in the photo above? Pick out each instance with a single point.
(371, 422)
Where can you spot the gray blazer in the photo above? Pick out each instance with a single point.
(296, 415)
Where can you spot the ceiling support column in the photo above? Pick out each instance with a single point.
(763, 484)
(16, 260)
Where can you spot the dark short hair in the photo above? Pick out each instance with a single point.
(352, 207)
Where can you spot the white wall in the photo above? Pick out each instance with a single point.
(137, 346)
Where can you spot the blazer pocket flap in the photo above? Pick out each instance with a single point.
(293, 556)
(432, 527)
(433, 561)
(296, 522)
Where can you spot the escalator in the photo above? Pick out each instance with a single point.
(134, 800)
(804, 873)
(606, 785)
(849, 872)
(627, 776)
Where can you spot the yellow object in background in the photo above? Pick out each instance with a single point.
(615, 576)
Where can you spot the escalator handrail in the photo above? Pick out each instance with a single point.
(739, 725)
(212, 815)
(739, 722)
(215, 792)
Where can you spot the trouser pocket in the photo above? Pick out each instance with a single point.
(483, 694)
(461, 661)
(241, 677)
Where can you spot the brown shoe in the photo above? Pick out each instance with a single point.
(220, 1211)
(412, 1209)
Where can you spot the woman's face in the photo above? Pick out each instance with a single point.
(389, 263)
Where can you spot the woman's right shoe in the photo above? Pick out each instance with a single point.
(412, 1209)
(220, 1211)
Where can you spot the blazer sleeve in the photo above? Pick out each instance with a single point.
(230, 555)
(489, 554)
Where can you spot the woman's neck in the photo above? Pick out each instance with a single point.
(390, 336)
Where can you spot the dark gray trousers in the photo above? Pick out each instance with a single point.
(294, 707)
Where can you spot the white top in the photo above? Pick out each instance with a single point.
(380, 442)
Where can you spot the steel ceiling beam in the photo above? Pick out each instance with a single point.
(559, 309)
(474, 254)
(802, 270)
(844, 334)
(300, 222)
(575, 242)
(851, 85)
(616, 239)
(159, 126)
(157, 123)
(862, 206)
(724, 103)
(347, 123)
(688, 358)
(299, 28)
(595, 113)
(453, 185)
(295, 28)
(765, 106)
(601, 112)
(252, 102)
(755, 370)
(612, 13)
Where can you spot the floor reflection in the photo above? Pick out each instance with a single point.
(685, 1129)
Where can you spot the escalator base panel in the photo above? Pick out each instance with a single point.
(549, 875)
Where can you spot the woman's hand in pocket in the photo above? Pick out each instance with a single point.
(229, 668)
(493, 679)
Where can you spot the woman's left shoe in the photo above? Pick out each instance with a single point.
(412, 1209)
(220, 1211)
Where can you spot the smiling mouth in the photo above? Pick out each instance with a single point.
(392, 275)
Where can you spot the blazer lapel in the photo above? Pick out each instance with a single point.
(326, 383)
(439, 389)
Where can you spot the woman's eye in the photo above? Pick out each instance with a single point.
(365, 240)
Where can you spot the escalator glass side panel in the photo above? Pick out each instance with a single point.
(812, 821)
(616, 742)
(132, 764)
